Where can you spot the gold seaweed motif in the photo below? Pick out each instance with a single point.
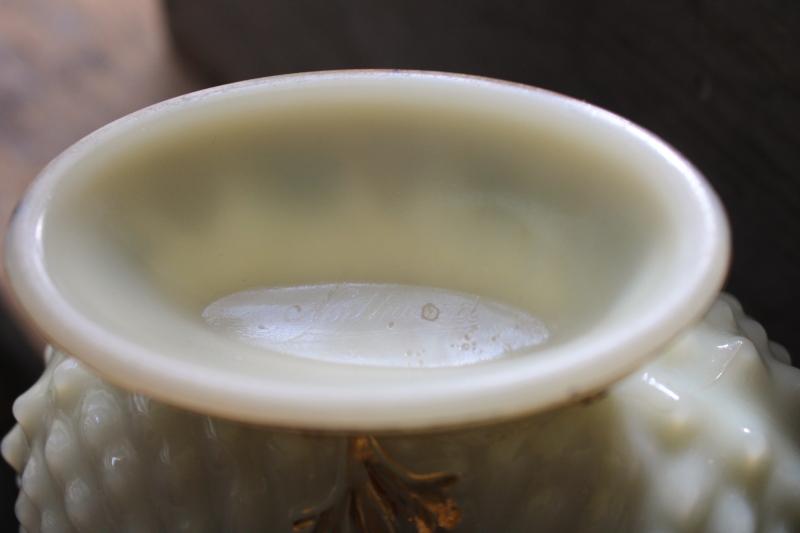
(382, 496)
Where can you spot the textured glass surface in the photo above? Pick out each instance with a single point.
(705, 438)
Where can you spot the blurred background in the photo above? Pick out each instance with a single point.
(718, 79)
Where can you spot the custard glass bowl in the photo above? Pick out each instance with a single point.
(643, 405)
(500, 190)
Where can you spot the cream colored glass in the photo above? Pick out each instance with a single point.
(174, 251)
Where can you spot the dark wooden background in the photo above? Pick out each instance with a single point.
(718, 79)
